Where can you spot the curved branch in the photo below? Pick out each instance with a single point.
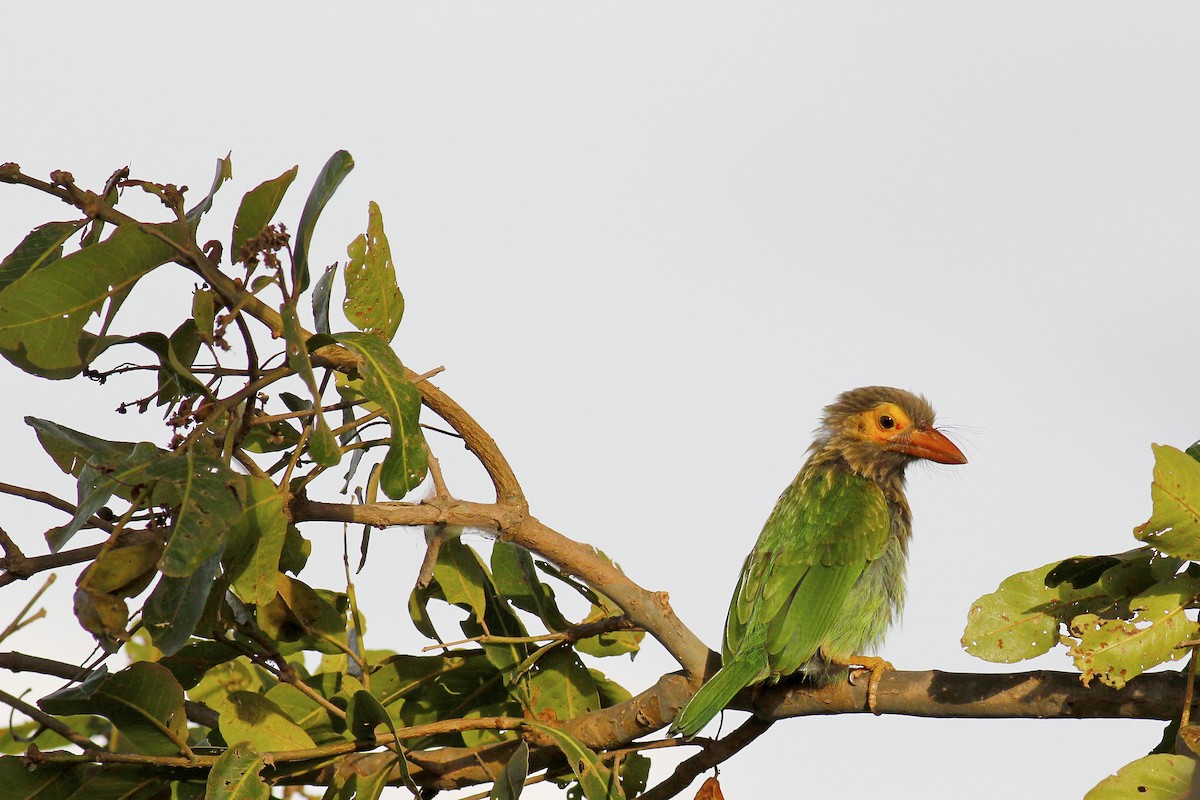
(713, 754)
(650, 611)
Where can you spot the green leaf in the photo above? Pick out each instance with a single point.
(72, 450)
(192, 662)
(176, 604)
(204, 507)
(236, 776)
(204, 312)
(256, 542)
(1117, 650)
(373, 301)
(611, 693)
(1156, 777)
(42, 313)
(613, 643)
(461, 576)
(1021, 618)
(635, 774)
(316, 721)
(144, 702)
(257, 209)
(364, 714)
(596, 780)
(512, 780)
(384, 383)
(335, 170)
(100, 481)
(224, 173)
(561, 687)
(43, 245)
(47, 782)
(516, 578)
(1174, 525)
(322, 444)
(320, 299)
(250, 717)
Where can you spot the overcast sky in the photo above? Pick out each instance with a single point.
(650, 241)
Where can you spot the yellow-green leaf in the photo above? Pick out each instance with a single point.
(1116, 650)
(1021, 618)
(1162, 776)
(236, 776)
(258, 207)
(373, 301)
(1174, 525)
(250, 717)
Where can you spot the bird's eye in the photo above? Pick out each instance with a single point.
(886, 422)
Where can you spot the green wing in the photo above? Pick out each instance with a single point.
(827, 526)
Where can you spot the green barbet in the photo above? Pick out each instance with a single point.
(826, 578)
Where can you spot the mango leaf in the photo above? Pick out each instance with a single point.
(561, 687)
(235, 675)
(613, 643)
(42, 313)
(1021, 618)
(204, 507)
(47, 782)
(597, 781)
(100, 481)
(516, 578)
(373, 301)
(250, 717)
(611, 693)
(176, 604)
(512, 780)
(257, 209)
(143, 701)
(256, 541)
(322, 444)
(461, 576)
(224, 173)
(320, 299)
(635, 774)
(123, 571)
(1156, 777)
(321, 726)
(335, 170)
(43, 245)
(304, 618)
(1174, 525)
(236, 776)
(1118, 650)
(72, 450)
(192, 662)
(384, 383)
(204, 314)
(102, 615)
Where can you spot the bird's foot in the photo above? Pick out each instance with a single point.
(876, 666)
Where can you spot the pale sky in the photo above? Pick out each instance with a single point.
(650, 241)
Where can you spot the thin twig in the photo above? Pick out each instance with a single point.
(48, 721)
(17, 622)
(714, 753)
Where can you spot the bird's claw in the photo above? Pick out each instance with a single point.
(876, 666)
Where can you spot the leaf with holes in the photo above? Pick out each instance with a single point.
(373, 301)
(1116, 650)
(1174, 525)
(236, 776)
(1157, 777)
(1021, 618)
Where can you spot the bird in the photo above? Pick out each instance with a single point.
(825, 579)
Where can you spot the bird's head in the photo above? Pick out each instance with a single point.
(879, 430)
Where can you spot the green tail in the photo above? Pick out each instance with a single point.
(716, 694)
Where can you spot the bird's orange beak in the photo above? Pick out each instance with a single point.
(929, 443)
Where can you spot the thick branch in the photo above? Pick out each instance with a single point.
(1040, 694)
